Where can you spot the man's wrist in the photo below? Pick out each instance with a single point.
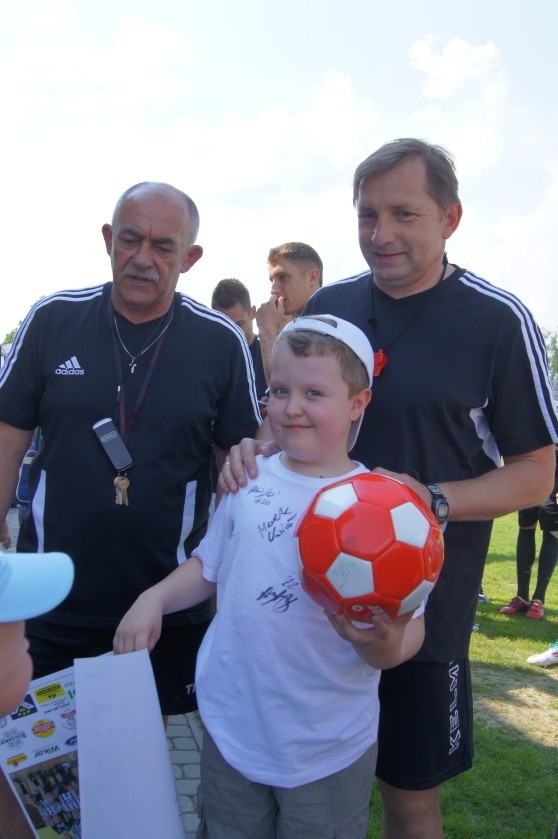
(439, 504)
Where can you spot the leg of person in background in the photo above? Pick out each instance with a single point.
(547, 562)
(483, 598)
(525, 559)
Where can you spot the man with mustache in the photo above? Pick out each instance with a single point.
(175, 378)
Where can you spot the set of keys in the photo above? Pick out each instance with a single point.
(121, 484)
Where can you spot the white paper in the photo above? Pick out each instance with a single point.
(126, 779)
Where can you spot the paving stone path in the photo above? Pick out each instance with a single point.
(185, 734)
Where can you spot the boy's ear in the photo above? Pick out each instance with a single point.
(360, 401)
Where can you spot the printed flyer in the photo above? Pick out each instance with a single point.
(38, 754)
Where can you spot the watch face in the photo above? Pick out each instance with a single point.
(440, 506)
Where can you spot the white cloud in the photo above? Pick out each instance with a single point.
(145, 65)
(55, 15)
(458, 63)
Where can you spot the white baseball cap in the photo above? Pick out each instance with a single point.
(32, 584)
(348, 334)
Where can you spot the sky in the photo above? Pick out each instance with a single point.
(261, 112)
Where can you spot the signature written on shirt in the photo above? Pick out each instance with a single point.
(280, 600)
(260, 495)
(281, 521)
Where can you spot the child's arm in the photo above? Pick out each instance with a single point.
(384, 645)
(141, 625)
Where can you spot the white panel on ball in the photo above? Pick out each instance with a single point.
(333, 502)
(410, 525)
(415, 598)
(350, 576)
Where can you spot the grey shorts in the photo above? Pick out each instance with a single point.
(232, 807)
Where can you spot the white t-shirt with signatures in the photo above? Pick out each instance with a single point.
(286, 700)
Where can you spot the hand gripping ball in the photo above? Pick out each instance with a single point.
(369, 545)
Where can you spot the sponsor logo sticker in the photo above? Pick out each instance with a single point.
(69, 719)
(49, 692)
(43, 728)
(46, 750)
(13, 738)
(26, 707)
(16, 760)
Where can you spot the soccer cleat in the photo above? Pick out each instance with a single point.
(483, 598)
(535, 611)
(546, 659)
(517, 604)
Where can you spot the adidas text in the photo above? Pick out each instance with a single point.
(71, 372)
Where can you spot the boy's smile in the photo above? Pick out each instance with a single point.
(310, 411)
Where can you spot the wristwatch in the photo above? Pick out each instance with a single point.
(440, 504)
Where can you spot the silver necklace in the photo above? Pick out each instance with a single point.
(134, 361)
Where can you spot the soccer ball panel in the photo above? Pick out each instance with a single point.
(410, 525)
(335, 501)
(399, 570)
(415, 598)
(433, 554)
(351, 576)
(317, 543)
(319, 589)
(365, 530)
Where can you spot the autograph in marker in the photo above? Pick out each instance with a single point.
(281, 521)
(261, 496)
(281, 600)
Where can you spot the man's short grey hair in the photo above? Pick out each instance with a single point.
(441, 180)
(159, 186)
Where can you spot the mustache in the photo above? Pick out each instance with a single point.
(139, 274)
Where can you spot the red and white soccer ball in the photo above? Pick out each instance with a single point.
(369, 545)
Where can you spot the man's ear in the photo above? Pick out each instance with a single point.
(452, 217)
(194, 253)
(314, 278)
(107, 236)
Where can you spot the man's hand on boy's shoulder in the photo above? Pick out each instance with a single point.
(242, 460)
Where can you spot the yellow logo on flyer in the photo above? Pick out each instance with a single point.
(49, 692)
(15, 761)
(43, 728)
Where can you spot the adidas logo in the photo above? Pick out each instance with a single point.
(70, 368)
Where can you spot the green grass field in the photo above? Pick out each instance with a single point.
(512, 790)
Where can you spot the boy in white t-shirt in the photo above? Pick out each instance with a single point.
(288, 694)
